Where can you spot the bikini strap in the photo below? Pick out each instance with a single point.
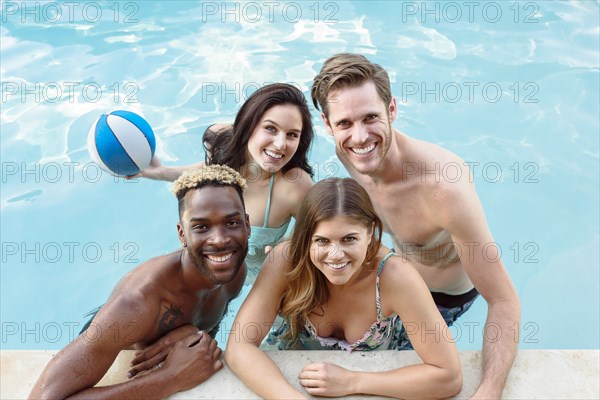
(377, 294)
(268, 209)
(383, 260)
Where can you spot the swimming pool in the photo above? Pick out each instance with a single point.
(512, 87)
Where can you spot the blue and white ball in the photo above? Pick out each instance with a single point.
(121, 142)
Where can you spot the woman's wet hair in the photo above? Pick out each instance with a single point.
(307, 286)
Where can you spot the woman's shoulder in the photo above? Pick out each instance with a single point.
(397, 271)
(297, 176)
(295, 183)
(401, 285)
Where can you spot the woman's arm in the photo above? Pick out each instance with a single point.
(251, 325)
(160, 172)
(404, 292)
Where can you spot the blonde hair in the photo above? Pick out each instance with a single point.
(208, 175)
(307, 286)
(348, 70)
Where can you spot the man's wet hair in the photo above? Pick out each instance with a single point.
(208, 175)
(348, 70)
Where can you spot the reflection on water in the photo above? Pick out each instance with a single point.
(514, 94)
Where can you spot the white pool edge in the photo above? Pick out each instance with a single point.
(536, 374)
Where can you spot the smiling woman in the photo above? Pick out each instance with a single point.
(339, 248)
(268, 145)
(323, 283)
(510, 96)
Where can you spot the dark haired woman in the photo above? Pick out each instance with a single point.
(268, 145)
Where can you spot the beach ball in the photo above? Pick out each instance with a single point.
(121, 142)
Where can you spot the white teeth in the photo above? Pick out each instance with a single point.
(337, 266)
(363, 150)
(219, 258)
(274, 155)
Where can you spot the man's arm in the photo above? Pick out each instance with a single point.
(462, 215)
(74, 371)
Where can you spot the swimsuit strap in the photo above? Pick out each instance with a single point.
(377, 294)
(382, 263)
(268, 209)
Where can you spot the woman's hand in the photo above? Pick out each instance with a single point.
(153, 171)
(158, 351)
(324, 379)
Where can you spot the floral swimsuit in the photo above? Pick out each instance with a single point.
(384, 334)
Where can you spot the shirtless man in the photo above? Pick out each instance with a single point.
(175, 297)
(435, 219)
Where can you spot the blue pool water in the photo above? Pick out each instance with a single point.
(512, 87)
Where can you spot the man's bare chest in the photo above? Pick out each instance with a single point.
(205, 313)
(404, 214)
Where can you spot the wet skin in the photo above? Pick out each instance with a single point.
(189, 287)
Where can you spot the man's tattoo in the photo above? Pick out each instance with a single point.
(169, 319)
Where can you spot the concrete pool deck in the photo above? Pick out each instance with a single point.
(536, 374)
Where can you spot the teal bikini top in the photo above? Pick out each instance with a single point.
(262, 236)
